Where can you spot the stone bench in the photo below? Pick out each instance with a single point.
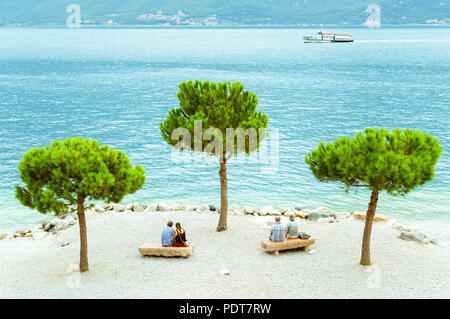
(159, 250)
(275, 247)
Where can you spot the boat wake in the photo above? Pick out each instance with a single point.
(402, 41)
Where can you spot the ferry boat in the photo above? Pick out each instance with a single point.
(323, 37)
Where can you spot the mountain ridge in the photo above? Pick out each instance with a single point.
(222, 12)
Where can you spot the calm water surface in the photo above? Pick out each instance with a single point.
(117, 85)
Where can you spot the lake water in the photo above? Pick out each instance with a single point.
(117, 85)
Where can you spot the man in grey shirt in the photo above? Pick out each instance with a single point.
(292, 228)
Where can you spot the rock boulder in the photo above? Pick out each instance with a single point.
(163, 207)
(138, 208)
(61, 224)
(151, 208)
(177, 207)
(377, 217)
(118, 207)
(414, 236)
(300, 215)
(315, 216)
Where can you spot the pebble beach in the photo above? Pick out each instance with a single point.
(45, 263)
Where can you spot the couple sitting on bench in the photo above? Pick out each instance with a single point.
(174, 237)
(279, 232)
(286, 237)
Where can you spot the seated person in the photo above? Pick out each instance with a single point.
(292, 228)
(180, 237)
(278, 231)
(167, 235)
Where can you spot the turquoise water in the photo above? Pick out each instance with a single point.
(116, 85)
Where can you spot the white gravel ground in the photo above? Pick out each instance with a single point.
(43, 269)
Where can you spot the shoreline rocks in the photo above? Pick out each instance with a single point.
(376, 218)
(315, 216)
(318, 215)
(22, 233)
(300, 215)
(99, 209)
(151, 208)
(118, 207)
(162, 207)
(416, 236)
(177, 207)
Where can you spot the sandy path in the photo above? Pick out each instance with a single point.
(41, 269)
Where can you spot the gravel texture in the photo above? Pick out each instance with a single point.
(44, 269)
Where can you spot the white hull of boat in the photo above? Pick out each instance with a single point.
(325, 41)
(316, 41)
(328, 37)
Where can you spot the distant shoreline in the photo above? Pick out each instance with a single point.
(139, 26)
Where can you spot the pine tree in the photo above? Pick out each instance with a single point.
(224, 111)
(65, 176)
(396, 162)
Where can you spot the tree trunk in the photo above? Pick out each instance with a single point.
(365, 251)
(84, 266)
(223, 195)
